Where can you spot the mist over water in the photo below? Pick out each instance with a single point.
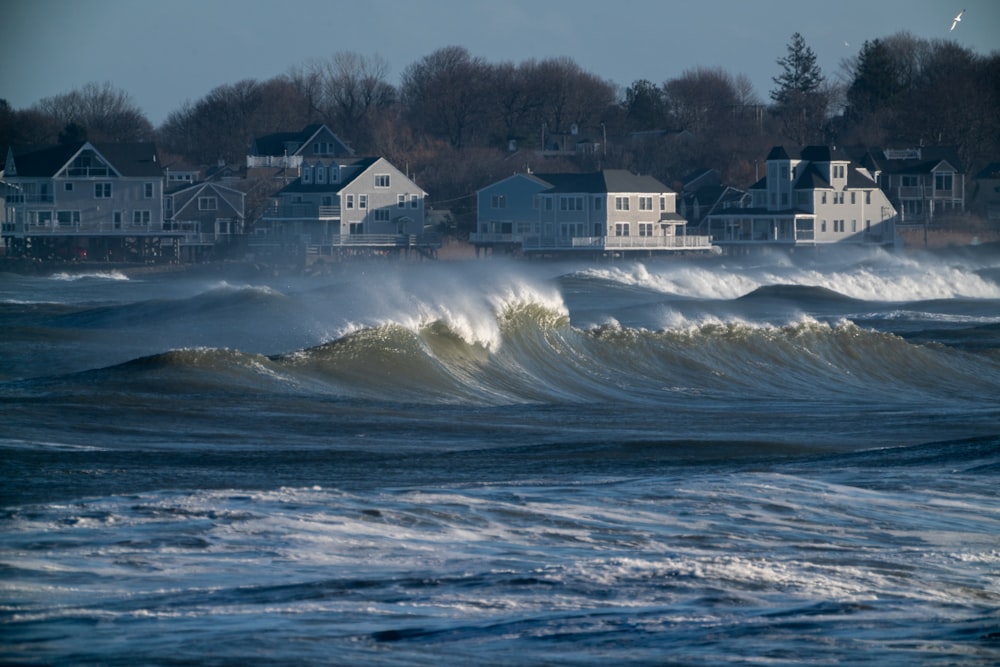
(773, 459)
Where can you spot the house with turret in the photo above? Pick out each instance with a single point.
(819, 197)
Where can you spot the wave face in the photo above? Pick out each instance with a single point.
(699, 462)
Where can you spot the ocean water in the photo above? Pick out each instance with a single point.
(771, 460)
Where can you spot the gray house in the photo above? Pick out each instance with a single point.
(821, 197)
(288, 150)
(209, 214)
(85, 199)
(922, 183)
(608, 211)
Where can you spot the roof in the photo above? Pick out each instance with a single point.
(606, 181)
(274, 144)
(777, 153)
(356, 167)
(135, 159)
(920, 160)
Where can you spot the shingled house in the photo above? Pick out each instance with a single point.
(820, 197)
(608, 211)
(72, 201)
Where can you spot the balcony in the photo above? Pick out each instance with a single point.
(274, 161)
(301, 211)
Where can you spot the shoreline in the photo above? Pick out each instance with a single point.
(453, 252)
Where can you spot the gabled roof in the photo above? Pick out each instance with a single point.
(275, 144)
(187, 196)
(127, 159)
(532, 177)
(921, 160)
(351, 170)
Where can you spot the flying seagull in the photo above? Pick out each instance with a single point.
(956, 20)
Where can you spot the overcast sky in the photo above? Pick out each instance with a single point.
(164, 52)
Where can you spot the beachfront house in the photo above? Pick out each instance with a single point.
(83, 199)
(209, 214)
(340, 205)
(923, 183)
(286, 151)
(820, 197)
(608, 211)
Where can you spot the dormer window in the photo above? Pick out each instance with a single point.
(307, 174)
(320, 174)
(334, 173)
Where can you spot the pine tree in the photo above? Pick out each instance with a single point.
(801, 75)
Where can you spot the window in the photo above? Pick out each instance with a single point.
(401, 201)
(147, 190)
(868, 196)
(67, 218)
(822, 226)
(116, 218)
(621, 229)
(320, 173)
(141, 217)
(68, 186)
(307, 175)
(381, 180)
(943, 182)
(350, 201)
(381, 215)
(853, 197)
(362, 201)
(571, 203)
(102, 190)
(414, 201)
(356, 228)
(548, 203)
(621, 204)
(498, 201)
(822, 198)
(909, 181)
(645, 203)
(663, 203)
(207, 204)
(645, 229)
(597, 203)
(854, 225)
(334, 173)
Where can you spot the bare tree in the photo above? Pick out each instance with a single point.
(445, 95)
(107, 113)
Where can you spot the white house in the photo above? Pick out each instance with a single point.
(821, 197)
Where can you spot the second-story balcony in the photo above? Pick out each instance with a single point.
(301, 211)
(274, 161)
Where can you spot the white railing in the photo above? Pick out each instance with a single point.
(303, 211)
(692, 242)
(279, 161)
(56, 228)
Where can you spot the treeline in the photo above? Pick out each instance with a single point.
(453, 119)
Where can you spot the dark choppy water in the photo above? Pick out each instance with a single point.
(705, 462)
